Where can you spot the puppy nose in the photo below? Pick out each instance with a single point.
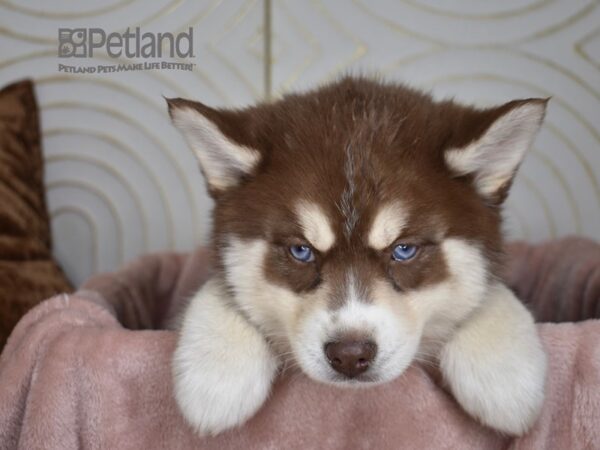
(350, 358)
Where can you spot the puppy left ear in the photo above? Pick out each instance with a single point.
(503, 136)
(220, 140)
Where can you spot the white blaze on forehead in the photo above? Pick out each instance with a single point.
(316, 226)
(387, 226)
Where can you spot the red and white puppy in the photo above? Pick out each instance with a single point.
(357, 228)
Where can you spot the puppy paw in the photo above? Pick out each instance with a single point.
(222, 367)
(495, 365)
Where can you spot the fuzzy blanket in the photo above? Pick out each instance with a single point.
(91, 370)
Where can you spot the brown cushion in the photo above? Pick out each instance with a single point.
(28, 274)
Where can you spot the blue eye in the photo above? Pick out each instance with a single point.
(404, 252)
(302, 253)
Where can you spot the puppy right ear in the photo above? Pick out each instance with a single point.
(503, 135)
(217, 139)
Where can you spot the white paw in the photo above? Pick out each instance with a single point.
(223, 368)
(495, 365)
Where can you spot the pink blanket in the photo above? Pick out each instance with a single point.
(91, 370)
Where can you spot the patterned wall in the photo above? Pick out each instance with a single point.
(121, 181)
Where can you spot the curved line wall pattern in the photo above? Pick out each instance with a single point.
(121, 181)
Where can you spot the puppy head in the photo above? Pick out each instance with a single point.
(359, 223)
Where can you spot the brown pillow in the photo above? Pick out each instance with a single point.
(28, 274)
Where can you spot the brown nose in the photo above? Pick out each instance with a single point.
(350, 358)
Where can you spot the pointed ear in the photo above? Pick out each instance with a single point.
(492, 157)
(217, 138)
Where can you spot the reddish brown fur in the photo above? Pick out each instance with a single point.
(392, 140)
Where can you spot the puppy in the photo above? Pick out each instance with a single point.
(357, 228)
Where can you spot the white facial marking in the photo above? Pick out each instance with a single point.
(442, 305)
(387, 226)
(254, 294)
(351, 316)
(346, 203)
(394, 335)
(495, 156)
(222, 160)
(316, 226)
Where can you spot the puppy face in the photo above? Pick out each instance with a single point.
(358, 225)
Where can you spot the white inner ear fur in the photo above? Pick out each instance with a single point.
(387, 226)
(222, 160)
(316, 226)
(223, 367)
(495, 364)
(495, 156)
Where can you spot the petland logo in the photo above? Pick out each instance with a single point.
(89, 42)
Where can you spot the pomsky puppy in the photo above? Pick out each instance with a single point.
(357, 228)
